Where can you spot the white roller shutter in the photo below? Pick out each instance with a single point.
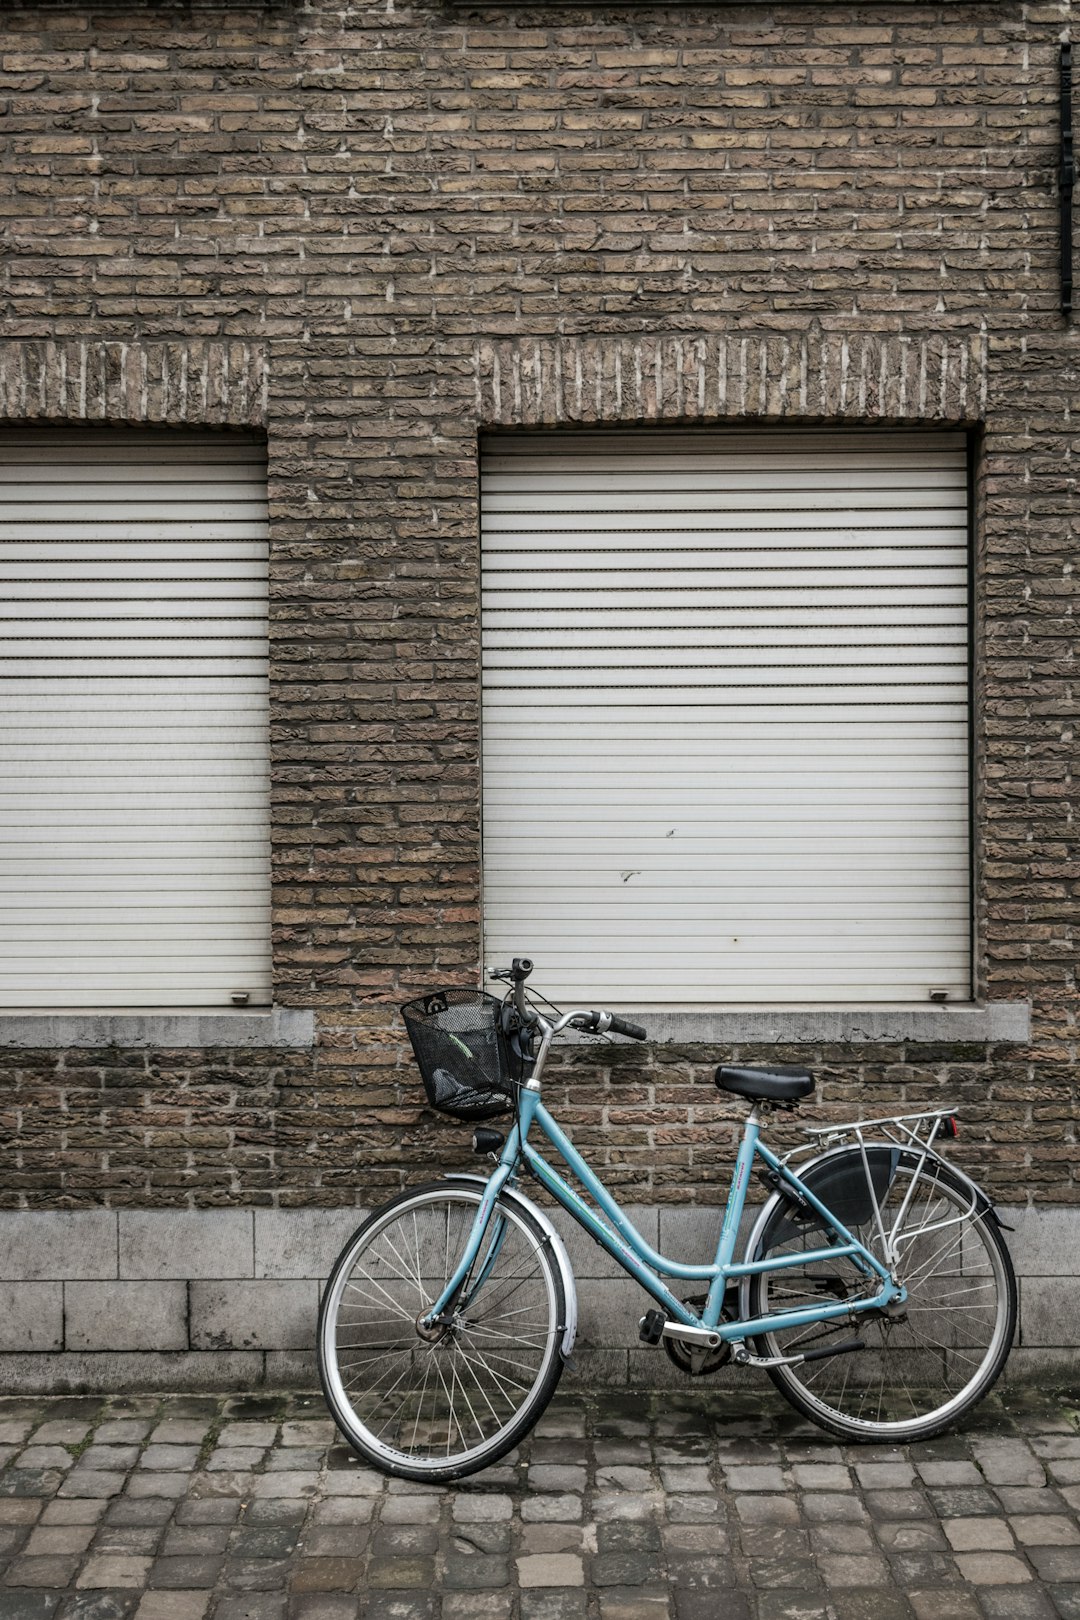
(725, 715)
(134, 790)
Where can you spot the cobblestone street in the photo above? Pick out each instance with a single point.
(687, 1506)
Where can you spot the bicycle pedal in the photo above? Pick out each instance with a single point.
(651, 1328)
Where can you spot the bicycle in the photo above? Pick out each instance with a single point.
(451, 1312)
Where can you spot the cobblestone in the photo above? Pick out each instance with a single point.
(599, 1516)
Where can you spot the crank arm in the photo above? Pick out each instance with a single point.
(652, 1328)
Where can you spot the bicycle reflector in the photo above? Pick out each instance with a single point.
(948, 1127)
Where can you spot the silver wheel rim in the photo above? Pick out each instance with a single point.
(952, 1341)
(447, 1403)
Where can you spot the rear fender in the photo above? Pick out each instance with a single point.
(814, 1169)
(982, 1203)
(555, 1243)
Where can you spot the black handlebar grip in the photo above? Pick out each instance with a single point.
(623, 1026)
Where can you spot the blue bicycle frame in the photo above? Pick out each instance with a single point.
(621, 1239)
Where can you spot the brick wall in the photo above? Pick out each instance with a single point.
(375, 233)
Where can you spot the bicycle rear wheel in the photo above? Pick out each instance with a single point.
(923, 1368)
(439, 1406)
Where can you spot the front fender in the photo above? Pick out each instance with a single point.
(510, 1195)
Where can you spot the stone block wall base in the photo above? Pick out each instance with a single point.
(132, 1300)
(134, 1372)
(222, 1372)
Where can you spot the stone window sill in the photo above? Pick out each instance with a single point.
(173, 1029)
(991, 1021)
(294, 1027)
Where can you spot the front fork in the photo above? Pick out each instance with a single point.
(454, 1297)
(498, 1233)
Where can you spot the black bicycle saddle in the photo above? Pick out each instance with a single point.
(766, 1085)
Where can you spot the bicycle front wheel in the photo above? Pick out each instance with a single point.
(439, 1405)
(935, 1358)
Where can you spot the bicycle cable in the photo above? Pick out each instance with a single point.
(533, 996)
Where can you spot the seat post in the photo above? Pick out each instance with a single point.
(740, 1181)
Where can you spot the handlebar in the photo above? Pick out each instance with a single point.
(623, 1026)
(605, 1023)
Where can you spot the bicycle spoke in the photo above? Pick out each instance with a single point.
(500, 1356)
(489, 1305)
(512, 1338)
(420, 1403)
(477, 1425)
(403, 1374)
(356, 1364)
(389, 1299)
(472, 1373)
(502, 1383)
(416, 1244)
(406, 1275)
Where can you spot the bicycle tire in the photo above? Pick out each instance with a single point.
(406, 1252)
(951, 1274)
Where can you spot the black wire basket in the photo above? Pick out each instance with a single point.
(466, 1061)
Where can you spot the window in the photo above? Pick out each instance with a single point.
(725, 715)
(134, 802)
